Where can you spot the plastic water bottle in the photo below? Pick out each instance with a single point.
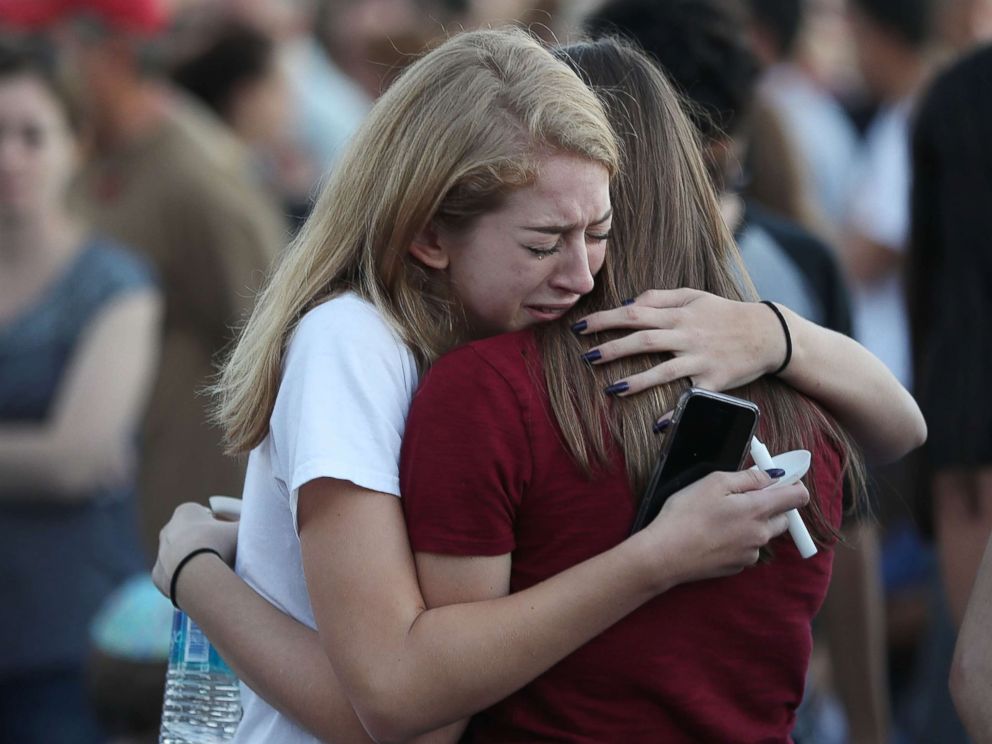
(202, 698)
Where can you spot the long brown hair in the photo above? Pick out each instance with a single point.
(459, 129)
(667, 233)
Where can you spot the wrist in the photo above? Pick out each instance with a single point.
(768, 337)
(184, 568)
(784, 336)
(655, 570)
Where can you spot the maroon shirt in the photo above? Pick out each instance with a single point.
(484, 472)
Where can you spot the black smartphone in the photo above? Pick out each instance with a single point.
(709, 432)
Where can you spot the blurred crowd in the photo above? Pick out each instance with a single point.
(157, 155)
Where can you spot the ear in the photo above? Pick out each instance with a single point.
(426, 247)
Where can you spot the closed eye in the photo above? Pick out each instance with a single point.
(543, 252)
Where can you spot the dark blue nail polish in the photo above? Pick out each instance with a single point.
(580, 326)
(660, 426)
(631, 301)
(775, 472)
(616, 388)
(593, 356)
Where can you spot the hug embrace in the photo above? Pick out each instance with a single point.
(454, 325)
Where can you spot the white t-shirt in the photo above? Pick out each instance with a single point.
(880, 211)
(346, 388)
(823, 135)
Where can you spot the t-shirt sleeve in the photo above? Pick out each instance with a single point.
(466, 459)
(342, 403)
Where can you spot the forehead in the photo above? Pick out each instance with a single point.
(568, 190)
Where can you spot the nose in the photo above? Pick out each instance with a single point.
(575, 272)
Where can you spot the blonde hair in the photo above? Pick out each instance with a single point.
(458, 130)
(667, 233)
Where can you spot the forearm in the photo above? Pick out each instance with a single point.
(453, 661)
(278, 657)
(856, 388)
(971, 672)
(85, 441)
(39, 462)
(853, 616)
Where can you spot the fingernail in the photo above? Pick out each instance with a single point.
(580, 326)
(775, 472)
(631, 301)
(593, 356)
(660, 426)
(616, 388)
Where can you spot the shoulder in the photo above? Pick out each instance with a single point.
(504, 364)
(104, 272)
(349, 334)
(346, 317)
(118, 266)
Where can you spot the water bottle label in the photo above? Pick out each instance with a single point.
(191, 649)
(197, 645)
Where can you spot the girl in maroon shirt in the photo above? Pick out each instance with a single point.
(510, 476)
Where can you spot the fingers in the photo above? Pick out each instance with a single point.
(744, 481)
(661, 374)
(649, 341)
(778, 525)
(630, 316)
(774, 501)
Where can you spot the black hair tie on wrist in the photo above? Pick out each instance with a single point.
(788, 336)
(182, 563)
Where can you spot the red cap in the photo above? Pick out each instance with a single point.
(32, 14)
(144, 17)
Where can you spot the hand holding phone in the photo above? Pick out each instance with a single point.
(709, 432)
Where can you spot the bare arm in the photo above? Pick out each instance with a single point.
(868, 261)
(971, 671)
(722, 344)
(408, 669)
(86, 440)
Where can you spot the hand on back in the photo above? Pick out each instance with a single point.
(720, 344)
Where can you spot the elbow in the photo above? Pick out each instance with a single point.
(388, 713)
(78, 468)
(970, 681)
(918, 432)
(910, 436)
(386, 723)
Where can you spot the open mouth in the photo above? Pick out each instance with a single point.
(548, 312)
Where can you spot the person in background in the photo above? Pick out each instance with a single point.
(704, 48)
(950, 300)
(237, 75)
(327, 104)
(894, 42)
(170, 180)
(891, 39)
(821, 131)
(79, 340)
(971, 672)
(774, 174)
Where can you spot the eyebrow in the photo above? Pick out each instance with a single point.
(558, 229)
